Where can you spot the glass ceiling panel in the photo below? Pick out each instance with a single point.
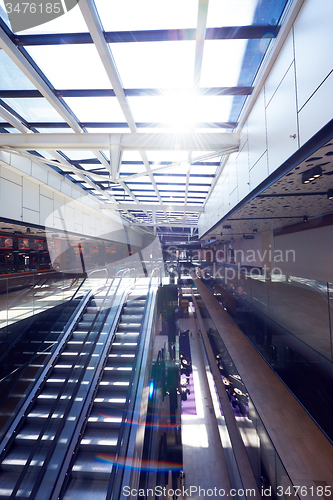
(199, 188)
(131, 15)
(222, 61)
(79, 155)
(139, 188)
(213, 108)
(96, 109)
(155, 64)
(170, 179)
(71, 66)
(132, 156)
(175, 189)
(180, 111)
(244, 12)
(172, 156)
(34, 110)
(226, 13)
(200, 169)
(200, 180)
(11, 77)
(127, 170)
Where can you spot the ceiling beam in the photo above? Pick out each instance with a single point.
(124, 125)
(158, 207)
(136, 141)
(199, 41)
(221, 33)
(142, 92)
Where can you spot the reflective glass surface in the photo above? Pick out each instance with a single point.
(147, 14)
(73, 66)
(34, 109)
(11, 77)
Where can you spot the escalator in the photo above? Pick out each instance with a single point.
(64, 440)
(91, 470)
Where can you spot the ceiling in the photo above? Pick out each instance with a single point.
(122, 67)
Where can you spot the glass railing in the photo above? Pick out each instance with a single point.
(267, 466)
(300, 306)
(289, 321)
(24, 296)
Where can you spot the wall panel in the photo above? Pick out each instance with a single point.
(281, 117)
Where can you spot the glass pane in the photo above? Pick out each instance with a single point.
(200, 169)
(79, 155)
(132, 156)
(71, 66)
(34, 110)
(131, 169)
(307, 301)
(226, 13)
(204, 181)
(172, 156)
(213, 108)
(222, 60)
(155, 64)
(11, 77)
(131, 15)
(180, 110)
(96, 109)
(243, 12)
(175, 189)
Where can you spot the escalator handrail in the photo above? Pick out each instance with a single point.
(124, 440)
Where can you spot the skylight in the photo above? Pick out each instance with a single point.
(134, 73)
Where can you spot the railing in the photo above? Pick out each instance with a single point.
(24, 296)
(266, 464)
(301, 306)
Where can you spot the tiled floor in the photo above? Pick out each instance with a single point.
(203, 456)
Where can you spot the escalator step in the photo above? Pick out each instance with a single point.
(131, 318)
(104, 399)
(29, 434)
(86, 490)
(129, 327)
(97, 442)
(41, 412)
(106, 418)
(90, 467)
(89, 317)
(16, 459)
(123, 347)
